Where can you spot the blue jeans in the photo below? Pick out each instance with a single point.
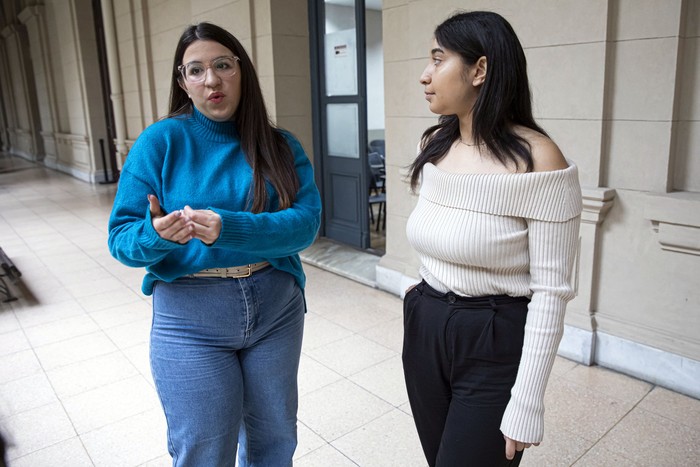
(225, 356)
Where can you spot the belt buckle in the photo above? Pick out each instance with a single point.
(248, 273)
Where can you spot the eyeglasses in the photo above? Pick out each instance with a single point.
(196, 72)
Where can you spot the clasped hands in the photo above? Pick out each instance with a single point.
(183, 225)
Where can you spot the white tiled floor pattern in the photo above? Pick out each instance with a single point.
(76, 390)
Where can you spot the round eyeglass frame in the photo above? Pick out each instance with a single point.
(183, 67)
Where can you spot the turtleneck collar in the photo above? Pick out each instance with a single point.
(220, 132)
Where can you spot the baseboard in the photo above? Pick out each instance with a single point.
(672, 371)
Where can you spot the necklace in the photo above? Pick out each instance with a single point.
(470, 145)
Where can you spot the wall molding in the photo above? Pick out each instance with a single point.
(73, 171)
(675, 218)
(71, 139)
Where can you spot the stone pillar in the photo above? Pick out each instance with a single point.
(33, 17)
(579, 338)
(24, 137)
(6, 99)
(115, 80)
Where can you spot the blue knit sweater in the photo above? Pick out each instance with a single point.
(191, 160)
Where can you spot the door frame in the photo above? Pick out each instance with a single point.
(319, 100)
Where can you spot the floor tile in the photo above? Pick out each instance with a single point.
(389, 334)
(384, 380)
(109, 299)
(68, 453)
(129, 442)
(61, 330)
(111, 403)
(390, 440)
(122, 314)
(45, 292)
(28, 263)
(674, 406)
(8, 320)
(25, 394)
(37, 429)
(652, 440)
(359, 315)
(131, 277)
(80, 377)
(559, 447)
(36, 315)
(13, 341)
(314, 375)
(46, 242)
(318, 331)
(362, 308)
(326, 456)
(563, 365)
(93, 287)
(130, 334)
(74, 350)
(350, 355)
(339, 408)
(308, 441)
(160, 461)
(406, 408)
(82, 275)
(577, 409)
(600, 457)
(69, 259)
(139, 356)
(604, 381)
(18, 365)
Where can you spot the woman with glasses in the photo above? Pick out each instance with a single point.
(496, 229)
(216, 204)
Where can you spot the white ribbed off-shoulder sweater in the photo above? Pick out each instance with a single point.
(512, 234)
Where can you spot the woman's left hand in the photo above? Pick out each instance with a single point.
(207, 224)
(512, 446)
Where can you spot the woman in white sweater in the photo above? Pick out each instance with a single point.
(496, 229)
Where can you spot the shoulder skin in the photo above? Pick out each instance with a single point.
(546, 155)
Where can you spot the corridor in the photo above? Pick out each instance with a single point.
(76, 389)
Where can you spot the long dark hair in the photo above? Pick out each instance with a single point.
(264, 146)
(503, 101)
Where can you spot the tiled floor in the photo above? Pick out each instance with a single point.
(76, 390)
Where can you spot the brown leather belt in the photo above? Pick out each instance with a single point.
(232, 273)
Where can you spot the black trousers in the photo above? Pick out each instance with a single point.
(460, 359)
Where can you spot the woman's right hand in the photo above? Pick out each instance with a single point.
(174, 226)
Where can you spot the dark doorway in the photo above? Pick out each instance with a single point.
(353, 196)
(108, 148)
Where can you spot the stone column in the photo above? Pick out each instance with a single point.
(6, 99)
(115, 80)
(24, 137)
(578, 342)
(33, 17)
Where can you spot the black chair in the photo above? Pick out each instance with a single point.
(377, 192)
(377, 171)
(379, 199)
(377, 145)
(9, 270)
